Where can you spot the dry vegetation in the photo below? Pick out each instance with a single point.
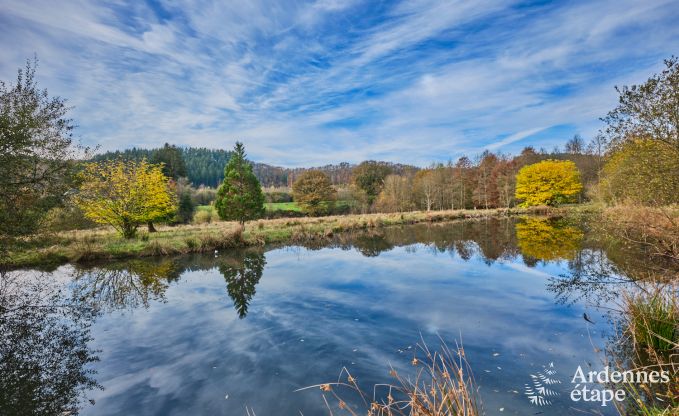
(105, 243)
(443, 385)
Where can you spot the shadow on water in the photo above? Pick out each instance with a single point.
(44, 355)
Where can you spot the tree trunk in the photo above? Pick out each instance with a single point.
(152, 229)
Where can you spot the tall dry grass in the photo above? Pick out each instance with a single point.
(443, 384)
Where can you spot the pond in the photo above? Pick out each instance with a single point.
(243, 330)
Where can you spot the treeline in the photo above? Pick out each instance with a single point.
(487, 180)
(206, 166)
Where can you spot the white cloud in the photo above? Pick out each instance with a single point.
(328, 81)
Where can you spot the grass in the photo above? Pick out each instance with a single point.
(653, 319)
(443, 385)
(282, 206)
(104, 243)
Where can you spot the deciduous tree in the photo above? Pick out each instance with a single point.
(550, 182)
(649, 110)
(369, 177)
(36, 153)
(125, 194)
(314, 193)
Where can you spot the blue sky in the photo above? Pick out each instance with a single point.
(306, 83)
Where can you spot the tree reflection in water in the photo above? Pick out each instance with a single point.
(242, 270)
(44, 351)
(548, 239)
(126, 285)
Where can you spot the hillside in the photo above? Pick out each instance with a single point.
(206, 167)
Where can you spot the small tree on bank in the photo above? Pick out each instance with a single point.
(314, 193)
(239, 197)
(550, 182)
(125, 194)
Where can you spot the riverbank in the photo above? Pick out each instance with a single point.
(47, 251)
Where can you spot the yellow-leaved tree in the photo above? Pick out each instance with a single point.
(125, 194)
(550, 182)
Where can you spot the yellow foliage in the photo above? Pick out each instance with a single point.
(550, 182)
(545, 239)
(641, 171)
(125, 194)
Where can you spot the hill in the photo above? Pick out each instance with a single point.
(206, 167)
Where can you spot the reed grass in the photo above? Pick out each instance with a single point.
(443, 385)
(653, 318)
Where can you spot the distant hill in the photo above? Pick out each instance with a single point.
(206, 167)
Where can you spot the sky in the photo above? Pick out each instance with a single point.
(305, 83)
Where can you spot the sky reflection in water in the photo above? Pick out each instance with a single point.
(211, 335)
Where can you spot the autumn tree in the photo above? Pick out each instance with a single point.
(314, 193)
(125, 194)
(396, 195)
(576, 145)
(649, 110)
(485, 192)
(641, 171)
(462, 174)
(369, 177)
(36, 153)
(424, 186)
(550, 182)
(240, 196)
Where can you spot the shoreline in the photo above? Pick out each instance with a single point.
(81, 246)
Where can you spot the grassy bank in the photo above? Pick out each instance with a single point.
(105, 243)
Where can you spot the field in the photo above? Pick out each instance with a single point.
(282, 206)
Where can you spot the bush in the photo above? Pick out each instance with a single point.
(202, 217)
(67, 218)
(277, 196)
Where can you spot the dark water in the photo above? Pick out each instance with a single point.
(215, 335)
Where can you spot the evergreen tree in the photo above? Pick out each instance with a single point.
(172, 159)
(186, 208)
(240, 196)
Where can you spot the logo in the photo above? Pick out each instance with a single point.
(603, 387)
(539, 393)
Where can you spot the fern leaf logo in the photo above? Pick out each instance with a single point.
(538, 392)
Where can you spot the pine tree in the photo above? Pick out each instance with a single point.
(240, 196)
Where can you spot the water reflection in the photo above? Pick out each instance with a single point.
(242, 271)
(123, 285)
(44, 352)
(362, 292)
(548, 238)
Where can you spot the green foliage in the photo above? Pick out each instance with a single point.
(549, 182)
(649, 110)
(186, 208)
(369, 178)
(205, 214)
(172, 159)
(277, 196)
(242, 273)
(314, 193)
(36, 153)
(240, 196)
(641, 171)
(125, 194)
(654, 320)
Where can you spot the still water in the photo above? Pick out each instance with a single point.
(219, 334)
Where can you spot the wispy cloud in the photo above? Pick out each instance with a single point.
(322, 81)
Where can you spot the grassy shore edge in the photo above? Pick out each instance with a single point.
(48, 251)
